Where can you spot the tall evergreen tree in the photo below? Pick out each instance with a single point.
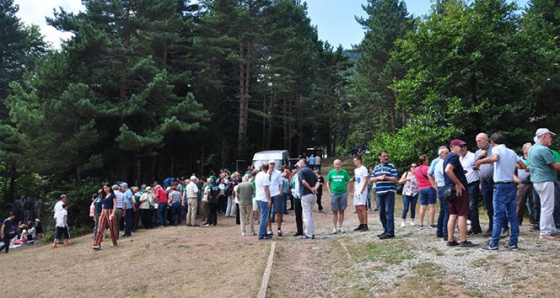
(373, 101)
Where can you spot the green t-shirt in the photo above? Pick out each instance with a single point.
(338, 181)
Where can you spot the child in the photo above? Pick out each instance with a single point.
(61, 218)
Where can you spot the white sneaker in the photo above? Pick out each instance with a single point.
(403, 224)
(411, 223)
(242, 233)
(341, 230)
(334, 231)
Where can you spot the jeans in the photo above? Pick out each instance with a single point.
(536, 208)
(486, 192)
(128, 222)
(556, 205)
(443, 217)
(505, 196)
(409, 201)
(176, 210)
(307, 203)
(472, 189)
(386, 212)
(264, 211)
(162, 213)
(298, 211)
(119, 219)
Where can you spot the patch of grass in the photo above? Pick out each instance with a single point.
(474, 293)
(427, 269)
(390, 252)
(183, 246)
(201, 244)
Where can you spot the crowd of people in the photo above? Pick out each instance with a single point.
(510, 186)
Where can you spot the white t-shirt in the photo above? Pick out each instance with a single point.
(261, 181)
(60, 222)
(192, 190)
(361, 175)
(58, 207)
(275, 181)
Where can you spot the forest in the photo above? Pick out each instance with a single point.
(150, 89)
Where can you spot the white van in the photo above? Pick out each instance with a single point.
(281, 157)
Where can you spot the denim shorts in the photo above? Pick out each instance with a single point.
(277, 202)
(428, 196)
(339, 202)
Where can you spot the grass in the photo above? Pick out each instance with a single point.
(391, 252)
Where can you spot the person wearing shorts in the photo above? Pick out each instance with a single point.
(428, 193)
(337, 186)
(455, 177)
(361, 177)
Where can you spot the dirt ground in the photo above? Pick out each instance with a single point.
(219, 262)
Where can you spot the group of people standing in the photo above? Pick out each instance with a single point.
(505, 181)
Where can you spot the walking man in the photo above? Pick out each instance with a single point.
(337, 186)
(385, 176)
(505, 193)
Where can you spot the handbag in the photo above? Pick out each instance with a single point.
(450, 194)
(399, 189)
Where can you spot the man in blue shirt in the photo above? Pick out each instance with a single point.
(505, 192)
(385, 176)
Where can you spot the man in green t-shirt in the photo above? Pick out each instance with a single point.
(337, 186)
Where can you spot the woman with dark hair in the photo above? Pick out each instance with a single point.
(428, 193)
(107, 218)
(409, 195)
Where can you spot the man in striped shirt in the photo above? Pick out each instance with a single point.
(385, 176)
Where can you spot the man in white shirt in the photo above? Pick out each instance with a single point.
(192, 201)
(264, 201)
(468, 160)
(361, 177)
(276, 195)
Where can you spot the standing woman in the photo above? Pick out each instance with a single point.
(107, 217)
(409, 195)
(428, 194)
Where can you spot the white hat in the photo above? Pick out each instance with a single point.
(272, 161)
(193, 177)
(542, 131)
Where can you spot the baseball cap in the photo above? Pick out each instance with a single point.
(457, 142)
(148, 188)
(193, 178)
(62, 196)
(272, 161)
(542, 131)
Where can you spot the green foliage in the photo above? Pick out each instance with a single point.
(408, 143)
(467, 68)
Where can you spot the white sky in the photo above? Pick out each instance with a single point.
(335, 19)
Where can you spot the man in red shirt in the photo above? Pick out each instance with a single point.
(162, 205)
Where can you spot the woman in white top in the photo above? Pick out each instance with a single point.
(409, 195)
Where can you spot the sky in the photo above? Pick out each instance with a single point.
(335, 19)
